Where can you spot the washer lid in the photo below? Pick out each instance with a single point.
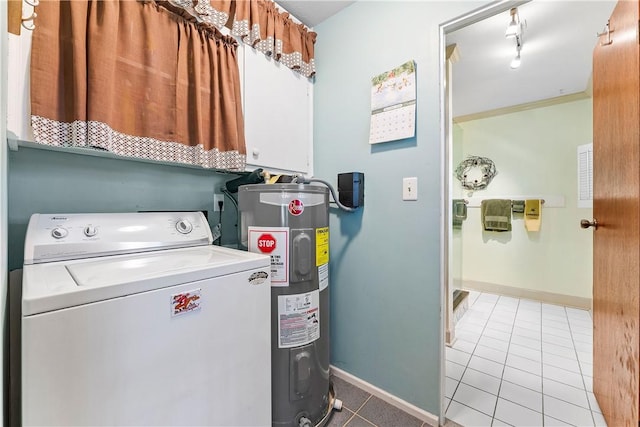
(136, 268)
(58, 285)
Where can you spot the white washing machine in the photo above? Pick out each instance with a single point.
(136, 319)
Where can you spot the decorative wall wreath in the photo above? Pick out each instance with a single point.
(475, 172)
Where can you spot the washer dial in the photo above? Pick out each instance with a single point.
(183, 226)
(59, 233)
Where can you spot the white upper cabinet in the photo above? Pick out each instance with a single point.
(278, 115)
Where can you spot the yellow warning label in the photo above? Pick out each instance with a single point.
(322, 246)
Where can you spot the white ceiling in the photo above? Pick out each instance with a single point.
(313, 12)
(556, 56)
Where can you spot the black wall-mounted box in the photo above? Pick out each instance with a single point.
(351, 189)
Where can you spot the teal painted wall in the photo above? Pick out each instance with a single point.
(385, 259)
(42, 181)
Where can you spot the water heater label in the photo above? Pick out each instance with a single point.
(322, 246)
(298, 319)
(273, 241)
(323, 276)
(284, 199)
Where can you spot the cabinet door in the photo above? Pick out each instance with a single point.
(616, 206)
(278, 115)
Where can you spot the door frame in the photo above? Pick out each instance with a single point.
(4, 282)
(446, 232)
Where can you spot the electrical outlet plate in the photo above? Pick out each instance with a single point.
(218, 198)
(410, 188)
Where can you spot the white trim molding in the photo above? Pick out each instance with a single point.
(4, 276)
(403, 405)
(531, 294)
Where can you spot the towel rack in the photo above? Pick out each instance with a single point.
(541, 201)
(549, 201)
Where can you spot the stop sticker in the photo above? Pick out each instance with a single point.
(296, 207)
(266, 243)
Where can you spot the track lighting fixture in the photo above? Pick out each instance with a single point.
(515, 27)
(515, 30)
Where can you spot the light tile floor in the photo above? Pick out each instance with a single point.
(517, 362)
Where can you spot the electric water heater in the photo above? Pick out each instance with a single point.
(290, 222)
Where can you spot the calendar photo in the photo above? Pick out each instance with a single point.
(393, 104)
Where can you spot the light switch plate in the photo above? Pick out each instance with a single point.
(410, 188)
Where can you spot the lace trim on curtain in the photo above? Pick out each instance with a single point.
(268, 47)
(257, 31)
(291, 60)
(202, 11)
(99, 135)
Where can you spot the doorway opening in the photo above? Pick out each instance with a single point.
(528, 293)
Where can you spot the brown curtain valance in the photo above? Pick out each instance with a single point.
(137, 80)
(259, 24)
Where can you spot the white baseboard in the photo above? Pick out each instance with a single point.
(403, 405)
(542, 296)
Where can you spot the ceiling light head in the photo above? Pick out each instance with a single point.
(514, 28)
(515, 62)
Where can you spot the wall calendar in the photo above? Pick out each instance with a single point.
(393, 104)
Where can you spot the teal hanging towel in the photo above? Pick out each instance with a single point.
(459, 212)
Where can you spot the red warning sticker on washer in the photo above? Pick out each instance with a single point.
(298, 319)
(185, 302)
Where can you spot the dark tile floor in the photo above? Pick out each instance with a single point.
(361, 409)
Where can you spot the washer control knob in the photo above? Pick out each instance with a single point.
(59, 233)
(90, 231)
(183, 226)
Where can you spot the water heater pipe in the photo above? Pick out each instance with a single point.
(302, 180)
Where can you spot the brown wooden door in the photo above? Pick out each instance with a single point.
(616, 206)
